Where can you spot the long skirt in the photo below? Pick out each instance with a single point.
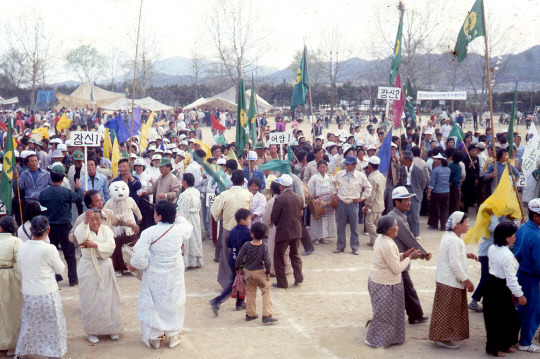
(11, 302)
(500, 316)
(324, 227)
(450, 316)
(117, 259)
(387, 326)
(43, 326)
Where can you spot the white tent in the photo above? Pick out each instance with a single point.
(227, 101)
(88, 95)
(147, 103)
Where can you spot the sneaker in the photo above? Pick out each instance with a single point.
(529, 348)
(92, 339)
(269, 320)
(174, 341)
(115, 337)
(449, 345)
(475, 306)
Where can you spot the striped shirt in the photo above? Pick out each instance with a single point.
(257, 257)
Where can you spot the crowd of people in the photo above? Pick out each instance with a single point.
(177, 188)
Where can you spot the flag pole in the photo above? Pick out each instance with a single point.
(309, 92)
(19, 195)
(488, 69)
(134, 75)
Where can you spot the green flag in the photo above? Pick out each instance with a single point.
(302, 86)
(290, 154)
(409, 98)
(221, 139)
(242, 125)
(456, 132)
(282, 166)
(396, 56)
(510, 136)
(9, 165)
(472, 28)
(252, 113)
(213, 171)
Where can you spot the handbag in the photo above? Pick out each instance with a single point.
(127, 253)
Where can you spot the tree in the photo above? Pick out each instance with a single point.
(197, 69)
(236, 34)
(87, 62)
(29, 54)
(113, 64)
(147, 57)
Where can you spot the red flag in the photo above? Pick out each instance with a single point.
(397, 109)
(3, 127)
(215, 123)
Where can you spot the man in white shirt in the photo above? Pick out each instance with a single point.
(446, 129)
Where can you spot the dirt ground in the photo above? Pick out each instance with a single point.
(324, 317)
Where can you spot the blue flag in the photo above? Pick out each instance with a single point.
(162, 146)
(119, 127)
(385, 152)
(136, 122)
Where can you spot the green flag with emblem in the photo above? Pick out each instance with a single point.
(252, 113)
(213, 171)
(9, 165)
(510, 135)
(302, 86)
(456, 132)
(396, 56)
(242, 125)
(472, 28)
(409, 98)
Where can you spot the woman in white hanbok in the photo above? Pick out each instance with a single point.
(189, 207)
(321, 190)
(158, 253)
(99, 293)
(258, 204)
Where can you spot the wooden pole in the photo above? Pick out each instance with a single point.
(488, 69)
(19, 195)
(309, 92)
(134, 75)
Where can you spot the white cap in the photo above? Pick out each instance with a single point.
(534, 205)
(401, 192)
(330, 143)
(372, 148)
(191, 140)
(151, 148)
(320, 138)
(167, 152)
(439, 156)
(46, 124)
(132, 155)
(69, 143)
(359, 143)
(393, 145)
(428, 132)
(221, 161)
(158, 150)
(57, 154)
(16, 153)
(181, 153)
(156, 157)
(285, 180)
(55, 140)
(374, 160)
(27, 153)
(139, 162)
(252, 156)
(182, 136)
(62, 147)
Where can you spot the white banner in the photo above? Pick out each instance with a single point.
(280, 138)
(529, 158)
(429, 95)
(389, 93)
(86, 138)
(9, 101)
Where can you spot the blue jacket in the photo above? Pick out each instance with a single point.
(32, 189)
(256, 173)
(100, 184)
(237, 237)
(527, 249)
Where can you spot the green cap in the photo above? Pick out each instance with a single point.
(78, 155)
(165, 161)
(60, 169)
(259, 144)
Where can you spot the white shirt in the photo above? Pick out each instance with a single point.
(445, 130)
(409, 170)
(452, 262)
(503, 265)
(38, 263)
(258, 205)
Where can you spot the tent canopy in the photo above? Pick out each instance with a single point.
(227, 101)
(147, 103)
(83, 95)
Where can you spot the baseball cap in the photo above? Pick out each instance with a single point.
(57, 154)
(139, 162)
(58, 168)
(181, 153)
(401, 192)
(252, 156)
(156, 157)
(285, 180)
(151, 148)
(374, 160)
(78, 155)
(55, 140)
(221, 161)
(62, 147)
(350, 160)
(439, 156)
(534, 205)
(132, 155)
(164, 162)
(69, 143)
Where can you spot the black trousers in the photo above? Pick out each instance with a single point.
(279, 262)
(306, 239)
(59, 236)
(412, 302)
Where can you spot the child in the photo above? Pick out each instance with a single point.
(237, 237)
(257, 273)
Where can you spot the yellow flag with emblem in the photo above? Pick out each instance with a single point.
(145, 131)
(6, 178)
(63, 123)
(43, 131)
(503, 202)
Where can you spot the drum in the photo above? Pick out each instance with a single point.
(127, 253)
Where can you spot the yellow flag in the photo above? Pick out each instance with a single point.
(107, 145)
(145, 131)
(503, 202)
(116, 156)
(232, 156)
(205, 148)
(63, 123)
(43, 131)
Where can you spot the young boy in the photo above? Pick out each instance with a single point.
(237, 237)
(257, 273)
